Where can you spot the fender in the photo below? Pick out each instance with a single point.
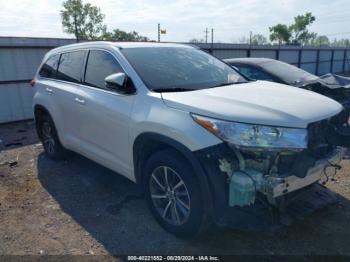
(188, 154)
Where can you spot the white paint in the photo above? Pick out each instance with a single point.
(259, 102)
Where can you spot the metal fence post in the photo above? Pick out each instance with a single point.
(344, 58)
(332, 59)
(248, 52)
(299, 57)
(317, 61)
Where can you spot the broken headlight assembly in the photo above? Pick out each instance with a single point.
(255, 136)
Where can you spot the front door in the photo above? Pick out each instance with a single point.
(104, 115)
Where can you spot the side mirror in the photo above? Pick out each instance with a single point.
(115, 81)
(120, 83)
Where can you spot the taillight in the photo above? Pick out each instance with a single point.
(32, 82)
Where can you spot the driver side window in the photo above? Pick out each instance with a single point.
(99, 65)
(254, 73)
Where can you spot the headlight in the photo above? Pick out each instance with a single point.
(248, 135)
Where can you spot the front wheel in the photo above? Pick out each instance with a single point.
(173, 194)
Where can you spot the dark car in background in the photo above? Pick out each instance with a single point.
(333, 86)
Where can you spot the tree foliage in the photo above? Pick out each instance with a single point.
(299, 31)
(280, 33)
(320, 40)
(85, 21)
(119, 35)
(296, 33)
(259, 39)
(341, 42)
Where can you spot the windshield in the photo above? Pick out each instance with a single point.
(288, 73)
(165, 69)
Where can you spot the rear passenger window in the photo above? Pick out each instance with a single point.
(100, 64)
(49, 69)
(70, 66)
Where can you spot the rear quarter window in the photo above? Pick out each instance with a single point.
(49, 68)
(70, 66)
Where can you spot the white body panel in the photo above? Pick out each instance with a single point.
(259, 102)
(104, 127)
(58, 98)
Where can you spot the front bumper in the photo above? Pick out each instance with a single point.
(279, 187)
(284, 197)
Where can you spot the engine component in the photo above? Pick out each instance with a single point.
(243, 187)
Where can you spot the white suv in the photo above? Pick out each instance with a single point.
(203, 142)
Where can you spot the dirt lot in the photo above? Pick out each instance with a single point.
(79, 207)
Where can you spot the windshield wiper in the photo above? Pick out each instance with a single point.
(224, 84)
(174, 89)
(228, 84)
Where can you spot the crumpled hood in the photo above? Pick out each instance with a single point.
(258, 102)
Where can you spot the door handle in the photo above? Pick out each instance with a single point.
(80, 101)
(49, 90)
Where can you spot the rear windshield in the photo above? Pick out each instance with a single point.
(288, 73)
(179, 68)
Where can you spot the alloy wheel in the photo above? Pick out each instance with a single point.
(48, 139)
(169, 195)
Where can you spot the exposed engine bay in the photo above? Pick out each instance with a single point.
(276, 173)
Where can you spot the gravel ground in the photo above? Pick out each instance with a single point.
(79, 207)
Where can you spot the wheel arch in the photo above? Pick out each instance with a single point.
(39, 111)
(147, 143)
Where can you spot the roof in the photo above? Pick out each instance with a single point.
(121, 45)
(249, 60)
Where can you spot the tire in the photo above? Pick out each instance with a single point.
(180, 215)
(49, 139)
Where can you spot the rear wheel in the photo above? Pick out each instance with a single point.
(173, 194)
(49, 139)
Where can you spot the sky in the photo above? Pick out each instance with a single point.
(183, 19)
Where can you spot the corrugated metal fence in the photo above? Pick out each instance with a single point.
(316, 60)
(20, 57)
(19, 60)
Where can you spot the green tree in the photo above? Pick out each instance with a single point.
(300, 34)
(296, 33)
(320, 40)
(85, 21)
(119, 35)
(280, 33)
(259, 39)
(341, 42)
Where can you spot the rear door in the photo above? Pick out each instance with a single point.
(104, 114)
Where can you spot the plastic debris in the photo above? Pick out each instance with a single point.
(225, 166)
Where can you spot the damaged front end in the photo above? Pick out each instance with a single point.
(264, 186)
